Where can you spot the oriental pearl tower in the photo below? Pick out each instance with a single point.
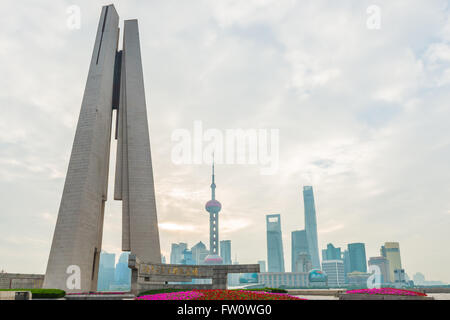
(213, 207)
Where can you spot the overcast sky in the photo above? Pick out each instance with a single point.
(363, 116)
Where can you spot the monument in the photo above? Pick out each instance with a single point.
(115, 82)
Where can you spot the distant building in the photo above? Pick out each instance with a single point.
(335, 272)
(346, 259)
(303, 263)
(225, 251)
(284, 279)
(311, 225)
(275, 255)
(106, 271)
(357, 255)
(391, 251)
(187, 258)
(176, 253)
(262, 266)
(358, 279)
(383, 264)
(331, 253)
(122, 276)
(233, 278)
(419, 279)
(199, 253)
(299, 245)
(399, 276)
(163, 259)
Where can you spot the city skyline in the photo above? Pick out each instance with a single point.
(378, 166)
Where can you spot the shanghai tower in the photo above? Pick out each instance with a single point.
(311, 225)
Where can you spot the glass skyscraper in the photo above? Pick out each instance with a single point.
(299, 244)
(122, 275)
(331, 253)
(357, 255)
(106, 271)
(311, 225)
(176, 253)
(275, 256)
(225, 251)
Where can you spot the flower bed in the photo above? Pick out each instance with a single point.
(387, 291)
(179, 295)
(219, 295)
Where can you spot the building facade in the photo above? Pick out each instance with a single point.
(262, 266)
(106, 271)
(176, 252)
(225, 251)
(391, 251)
(357, 256)
(331, 253)
(335, 272)
(284, 279)
(383, 264)
(199, 253)
(299, 245)
(311, 225)
(275, 255)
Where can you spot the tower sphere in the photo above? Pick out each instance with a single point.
(213, 206)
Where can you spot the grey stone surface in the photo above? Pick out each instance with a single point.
(134, 184)
(148, 276)
(21, 281)
(78, 233)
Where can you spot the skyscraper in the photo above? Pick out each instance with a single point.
(335, 271)
(123, 273)
(213, 207)
(199, 252)
(299, 245)
(391, 251)
(187, 257)
(275, 255)
(176, 252)
(357, 255)
(331, 253)
(225, 251)
(303, 263)
(114, 82)
(311, 225)
(106, 271)
(262, 266)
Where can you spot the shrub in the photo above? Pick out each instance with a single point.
(42, 293)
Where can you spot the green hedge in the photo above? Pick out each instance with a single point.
(42, 293)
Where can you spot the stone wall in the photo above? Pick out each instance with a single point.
(21, 281)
